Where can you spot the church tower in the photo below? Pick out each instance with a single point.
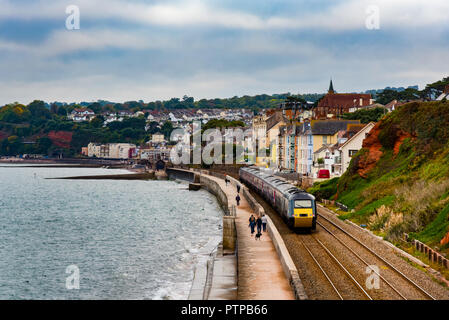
(331, 88)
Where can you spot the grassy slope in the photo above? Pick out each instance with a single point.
(407, 191)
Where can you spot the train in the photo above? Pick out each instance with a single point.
(295, 206)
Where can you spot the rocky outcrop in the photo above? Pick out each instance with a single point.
(372, 148)
(371, 154)
(445, 240)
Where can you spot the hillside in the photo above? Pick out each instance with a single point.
(399, 181)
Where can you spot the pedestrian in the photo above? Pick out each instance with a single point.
(264, 223)
(259, 225)
(238, 200)
(238, 188)
(252, 224)
(226, 180)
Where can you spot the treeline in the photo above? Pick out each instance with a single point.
(430, 92)
(25, 130)
(254, 103)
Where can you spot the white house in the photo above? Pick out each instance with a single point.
(353, 145)
(330, 155)
(157, 138)
(81, 114)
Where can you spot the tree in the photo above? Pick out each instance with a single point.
(167, 129)
(96, 107)
(62, 111)
(97, 122)
(15, 113)
(38, 109)
(43, 144)
(366, 115)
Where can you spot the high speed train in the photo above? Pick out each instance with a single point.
(295, 206)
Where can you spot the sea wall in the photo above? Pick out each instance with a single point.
(286, 261)
(181, 174)
(229, 230)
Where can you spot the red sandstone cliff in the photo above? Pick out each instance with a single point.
(61, 139)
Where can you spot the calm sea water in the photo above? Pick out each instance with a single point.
(129, 239)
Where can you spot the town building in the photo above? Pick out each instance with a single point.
(325, 158)
(81, 114)
(111, 150)
(157, 138)
(326, 132)
(334, 105)
(259, 130)
(273, 124)
(353, 145)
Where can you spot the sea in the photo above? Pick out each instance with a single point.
(101, 239)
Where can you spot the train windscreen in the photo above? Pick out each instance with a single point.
(303, 204)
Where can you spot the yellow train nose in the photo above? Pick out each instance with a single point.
(303, 217)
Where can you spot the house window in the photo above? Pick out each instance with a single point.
(352, 153)
(324, 139)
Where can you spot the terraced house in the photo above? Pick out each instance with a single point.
(299, 144)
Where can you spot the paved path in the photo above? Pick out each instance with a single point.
(260, 274)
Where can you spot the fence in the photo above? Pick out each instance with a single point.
(433, 255)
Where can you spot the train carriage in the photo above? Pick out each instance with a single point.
(295, 206)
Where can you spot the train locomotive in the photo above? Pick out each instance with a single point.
(295, 206)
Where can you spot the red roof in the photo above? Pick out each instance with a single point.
(344, 100)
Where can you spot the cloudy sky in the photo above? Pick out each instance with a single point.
(154, 49)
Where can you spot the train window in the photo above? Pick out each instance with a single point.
(303, 204)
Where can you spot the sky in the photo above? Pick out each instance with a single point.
(154, 50)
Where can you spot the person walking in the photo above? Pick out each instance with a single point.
(264, 223)
(238, 188)
(252, 224)
(238, 200)
(259, 225)
(226, 180)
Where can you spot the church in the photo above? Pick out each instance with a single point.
(333, 105)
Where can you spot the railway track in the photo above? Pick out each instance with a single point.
(340, 265)
(323, 278)
(407, 279)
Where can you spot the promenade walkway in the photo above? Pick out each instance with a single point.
(260, 273)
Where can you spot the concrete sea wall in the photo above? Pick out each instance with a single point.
(217, 280)
(181, 174)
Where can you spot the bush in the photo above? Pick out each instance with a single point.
(324, 190)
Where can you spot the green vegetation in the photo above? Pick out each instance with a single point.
(27, 130)
(366, 115)
(432, 90)
(407, 188)
(325, 189)
(221, 123)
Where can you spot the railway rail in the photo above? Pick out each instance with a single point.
(340, 265)
(422, 291)
(318, 271)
